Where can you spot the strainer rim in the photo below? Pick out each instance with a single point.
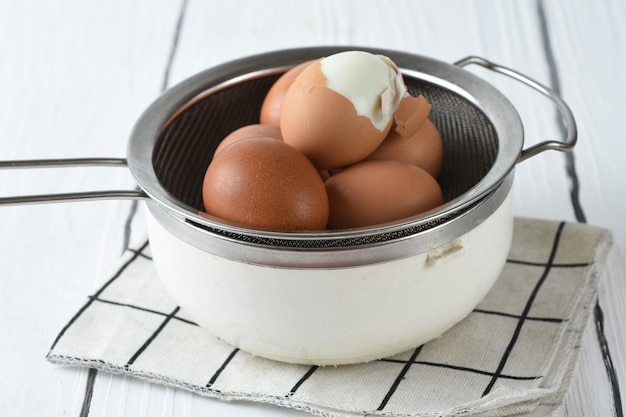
(495, 106)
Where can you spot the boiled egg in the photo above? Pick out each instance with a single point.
(273, 101)
(265, 184)
(369, 193)
(341, 107)
(249, 131)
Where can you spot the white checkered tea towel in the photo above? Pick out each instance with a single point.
(513, 354)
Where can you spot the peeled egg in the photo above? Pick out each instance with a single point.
(273, 102)
(375, 192)
(423, 149)
(263, 183)
(249, 131)
(340, 108)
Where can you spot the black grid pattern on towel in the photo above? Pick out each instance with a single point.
(160, 320)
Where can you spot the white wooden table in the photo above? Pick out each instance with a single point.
(75, 75)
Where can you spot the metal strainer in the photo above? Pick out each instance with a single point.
(173, 142)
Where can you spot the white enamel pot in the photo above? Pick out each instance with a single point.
(336, 314)
(338, 297)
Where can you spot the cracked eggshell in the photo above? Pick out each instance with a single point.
(340, 108)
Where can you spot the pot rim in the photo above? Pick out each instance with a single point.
(497, 108)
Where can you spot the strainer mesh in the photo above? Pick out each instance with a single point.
(329, 243)
(185, 147)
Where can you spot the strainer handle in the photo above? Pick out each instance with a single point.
(566, 113)
(67, 197)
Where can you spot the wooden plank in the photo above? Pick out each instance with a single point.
(75, 76)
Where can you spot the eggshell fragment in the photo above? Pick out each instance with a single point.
(249, 131)
(375, 192)
(266, 184)
(423, 148)
(411, 113)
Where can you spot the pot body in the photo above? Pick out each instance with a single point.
(331, 316)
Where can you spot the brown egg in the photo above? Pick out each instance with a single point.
(375, 192)
(249, 131)
(423, 149)
(324, 174)
(273, 102)
(262, 183)
(340, 108)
